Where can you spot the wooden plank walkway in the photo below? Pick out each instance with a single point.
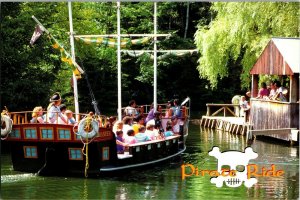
(235, 125)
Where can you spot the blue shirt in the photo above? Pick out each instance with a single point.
(141, 137)
(168, 133)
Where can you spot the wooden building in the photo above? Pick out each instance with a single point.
(280, 57)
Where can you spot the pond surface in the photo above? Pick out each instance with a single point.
(165, 181)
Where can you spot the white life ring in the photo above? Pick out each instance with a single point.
(92, 133)
(8, 125)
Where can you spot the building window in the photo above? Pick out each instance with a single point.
(105, 153)
(15, 133)
(64, 134)
(30, 133)
(75, 154)
(30, 152)
(46, 133)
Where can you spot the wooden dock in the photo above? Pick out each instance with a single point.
(229, 121)
(235, 125)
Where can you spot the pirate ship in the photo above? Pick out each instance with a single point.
(89, 147)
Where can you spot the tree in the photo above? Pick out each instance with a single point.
(238, 34)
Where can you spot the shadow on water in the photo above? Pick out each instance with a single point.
(164, 181)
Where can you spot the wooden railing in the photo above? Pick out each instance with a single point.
(265, 114)
(226, 108)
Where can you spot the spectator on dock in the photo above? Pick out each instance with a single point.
(272, 90)
(263, 91)
(280, 92)
(245, 107)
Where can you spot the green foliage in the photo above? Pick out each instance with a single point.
(242, 30)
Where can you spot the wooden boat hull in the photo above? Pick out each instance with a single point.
(54, 150)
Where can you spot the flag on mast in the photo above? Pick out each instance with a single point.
(36, 34)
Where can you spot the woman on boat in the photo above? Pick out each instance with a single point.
(54, 110)
(37, 115)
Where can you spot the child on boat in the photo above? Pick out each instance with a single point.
(169, 131)
(130, 139)
(141, 136)
(120, 141)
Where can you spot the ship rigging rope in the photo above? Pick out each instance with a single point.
(94, 102)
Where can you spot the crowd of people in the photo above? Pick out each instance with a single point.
(137, 127)
(57, 113)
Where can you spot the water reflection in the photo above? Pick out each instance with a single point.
(165, 181)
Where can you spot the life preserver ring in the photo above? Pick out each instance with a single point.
(82, 124)
(8, 125)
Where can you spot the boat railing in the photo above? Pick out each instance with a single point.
(162, 108)
(24, 117)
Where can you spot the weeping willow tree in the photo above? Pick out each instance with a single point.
(238, 33)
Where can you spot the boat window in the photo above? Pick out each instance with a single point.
(105, 153)
(46, 133)
(64, 134)
(30, 133)
(30, 152)
(15, 133)
(75, 154)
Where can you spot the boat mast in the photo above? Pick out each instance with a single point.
(119, 61)
(75, 89)
(155, 60)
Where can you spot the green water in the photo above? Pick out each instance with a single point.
(164, 181)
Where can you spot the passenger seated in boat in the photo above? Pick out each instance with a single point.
(120, 142)
(169, 131)
(37, 115)
(130, 138)
(63, 108)
(175, 125)
(139, 121)
(149, 131)
(131, 109)
(141, 136)
(110, 122)
(70, 118)
(117, 126)
(127, 121)
(53, 110)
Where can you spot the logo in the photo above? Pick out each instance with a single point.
(233, 169)
(237, 161)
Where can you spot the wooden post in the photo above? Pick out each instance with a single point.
(254, 86)
(294, 88)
